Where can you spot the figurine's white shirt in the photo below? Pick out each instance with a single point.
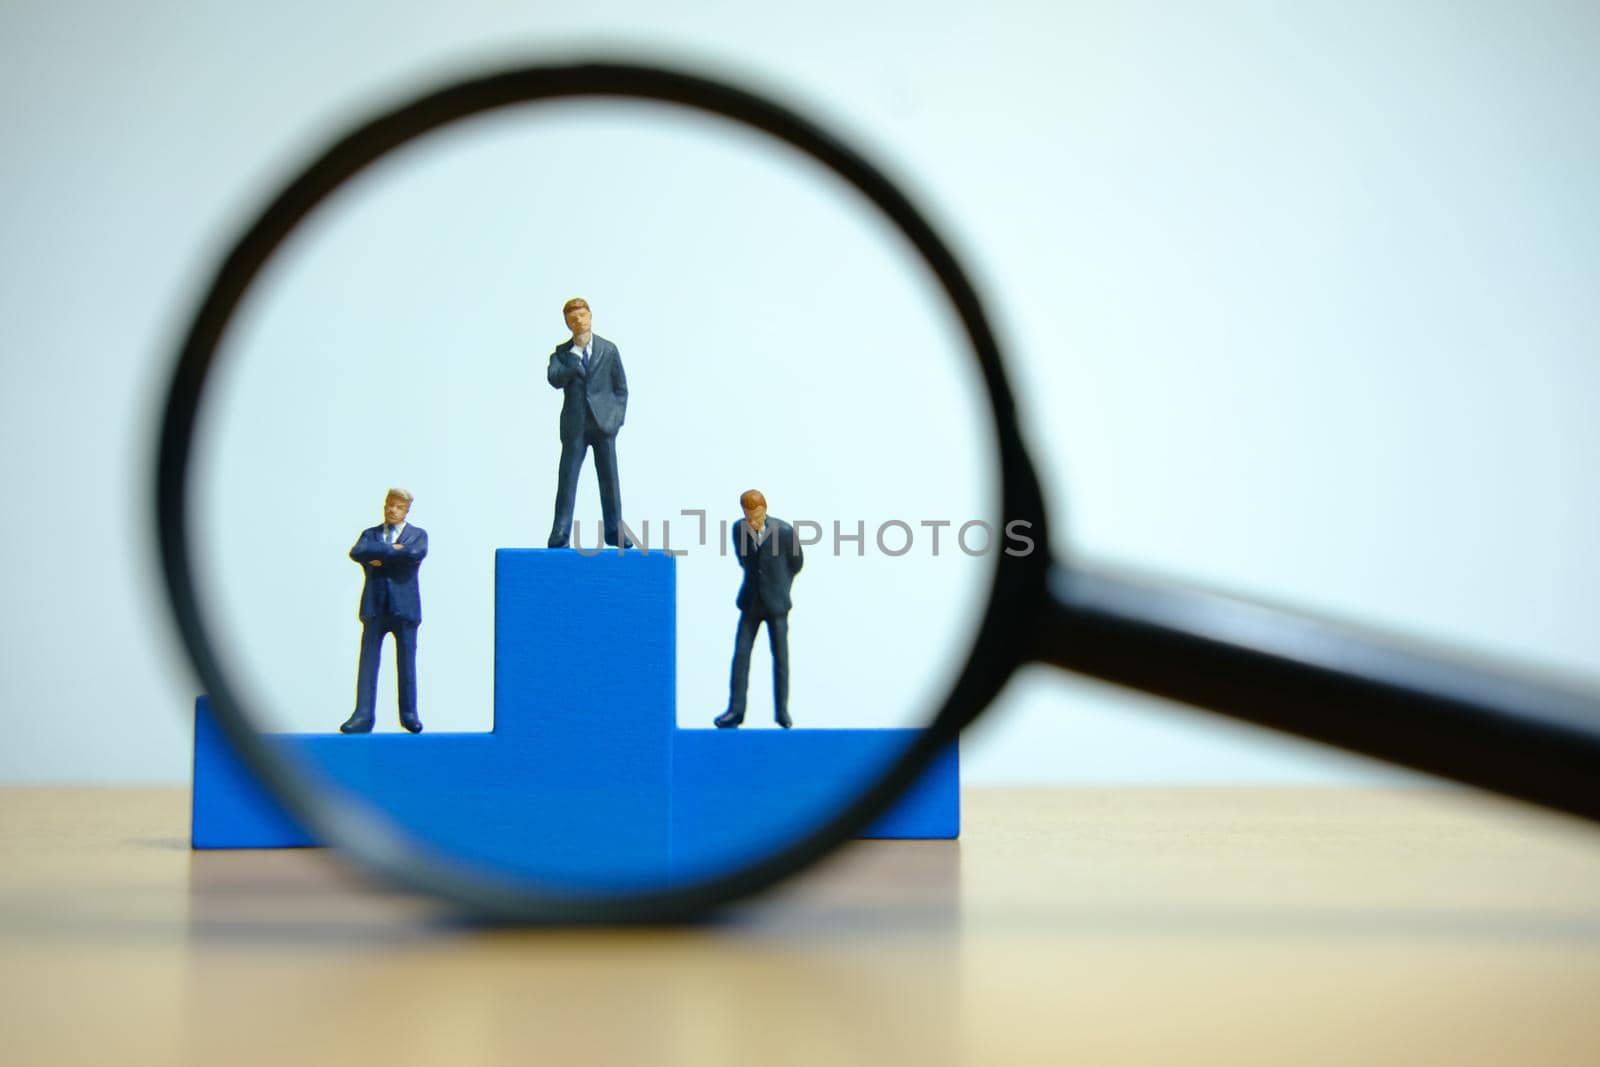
(761, 534)
(391, 534)
(582, 350)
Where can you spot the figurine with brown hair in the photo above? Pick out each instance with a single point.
(390, 556)
(588, 370)
(771, 557)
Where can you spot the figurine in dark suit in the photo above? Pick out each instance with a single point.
(771, 557)
(588, 370)
(390, 555)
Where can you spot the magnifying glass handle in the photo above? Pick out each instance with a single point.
(1330, 683)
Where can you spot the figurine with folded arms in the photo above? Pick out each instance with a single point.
(390, 555)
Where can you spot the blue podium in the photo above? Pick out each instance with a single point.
(585, 780)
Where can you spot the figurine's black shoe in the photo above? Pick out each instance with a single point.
(782, 719)
(557, 542)
(627, 542)
(412, 723)
(356, 724)
(728, 720)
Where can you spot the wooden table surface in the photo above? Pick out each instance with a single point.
(1236, 926)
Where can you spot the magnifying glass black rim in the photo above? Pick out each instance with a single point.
(1003, 640)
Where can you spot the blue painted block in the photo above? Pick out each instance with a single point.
(229, 808)
(572, 784)
(931, 808)
(584, 686)
(740, 791)
(585, 780)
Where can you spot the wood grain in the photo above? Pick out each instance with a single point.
(1098, 926)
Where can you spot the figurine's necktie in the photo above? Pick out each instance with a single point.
(586, 359)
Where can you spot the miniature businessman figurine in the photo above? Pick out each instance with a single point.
(390, 555)
(588, 369)
(771, 557)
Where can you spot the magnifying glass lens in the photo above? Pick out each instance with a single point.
(760, 386)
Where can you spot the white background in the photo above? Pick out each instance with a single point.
(1298, 301)
(403, 335)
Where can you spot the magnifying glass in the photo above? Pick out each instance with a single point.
(657, 451)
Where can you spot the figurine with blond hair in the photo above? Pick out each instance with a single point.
(771, 557)
(390, 555)
(588, 370)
